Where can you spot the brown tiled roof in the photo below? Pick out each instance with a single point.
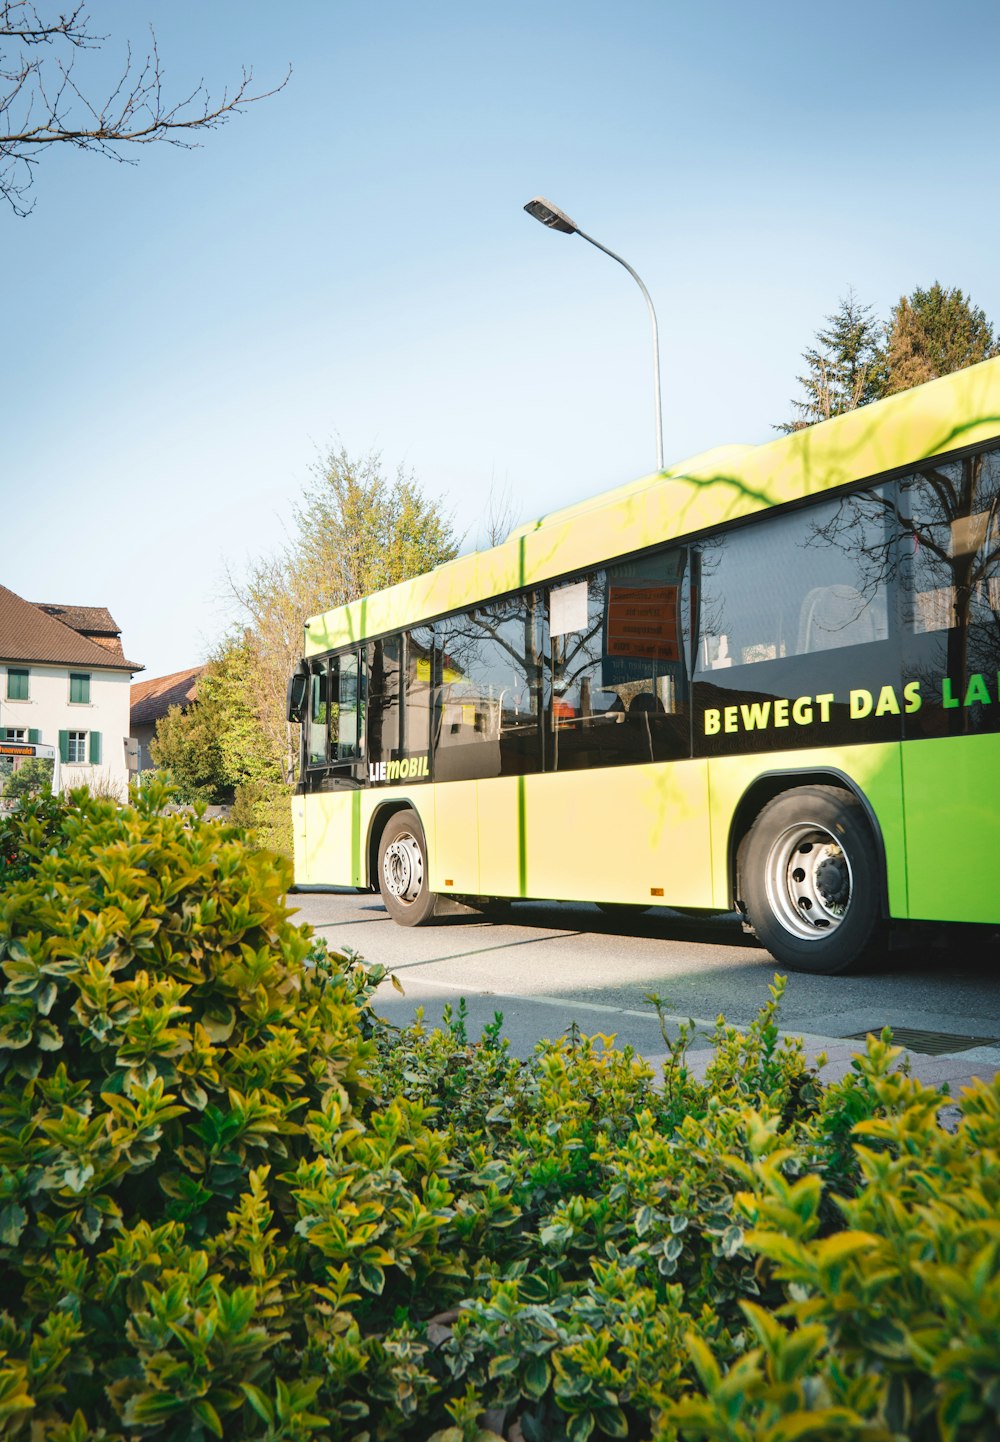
(30, 633)
(88, 620)
(112, 644)
(153, 698)
(94, 622)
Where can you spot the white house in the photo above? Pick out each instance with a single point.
(65, 681)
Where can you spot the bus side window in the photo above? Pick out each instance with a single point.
(616, 665)
(383, 661)
(317, 723)
(950, 514)
(335, 718)
(798, 584)
(488, 688)
(795, 622)
(417, 691)
(345, 729)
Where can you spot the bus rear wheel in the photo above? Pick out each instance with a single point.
(810, 880)
(402, 870)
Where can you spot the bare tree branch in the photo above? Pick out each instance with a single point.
(43, 104)
(498, 517)
(20, 20)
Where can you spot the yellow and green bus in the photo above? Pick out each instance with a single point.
(763, 679)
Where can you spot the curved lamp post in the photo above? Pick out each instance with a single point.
(557, 219)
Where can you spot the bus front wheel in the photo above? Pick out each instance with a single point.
(810, 880)
(402, 870)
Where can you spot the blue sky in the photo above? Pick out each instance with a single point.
(349, 262)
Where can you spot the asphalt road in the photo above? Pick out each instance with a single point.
(547, 965)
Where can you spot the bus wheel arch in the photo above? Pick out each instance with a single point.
(808, 871)
(379, 821)
(401, 868)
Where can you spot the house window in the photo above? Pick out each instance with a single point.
(17, 683)
(14, 733)
(79, 688)
(77, 750)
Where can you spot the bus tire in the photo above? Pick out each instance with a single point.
(402, 870)
(811, 880)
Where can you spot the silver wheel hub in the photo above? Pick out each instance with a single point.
(403, 868)
(808, 880)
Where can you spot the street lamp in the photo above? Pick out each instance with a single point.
(557, 219)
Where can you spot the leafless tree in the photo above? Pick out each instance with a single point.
(498, 516)
(41, 103)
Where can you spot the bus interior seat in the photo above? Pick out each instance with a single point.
(833, 616)
(646, 702)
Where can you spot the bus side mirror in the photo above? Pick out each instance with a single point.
(298, 690)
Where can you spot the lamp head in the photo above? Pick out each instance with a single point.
(551, 215)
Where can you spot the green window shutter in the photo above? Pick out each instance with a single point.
(34, 737)
(17, 683)
(95, 748)
(63, 745)
(79, 688)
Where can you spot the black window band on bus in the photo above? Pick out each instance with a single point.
(868, 614)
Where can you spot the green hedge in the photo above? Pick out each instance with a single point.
(234, 1203)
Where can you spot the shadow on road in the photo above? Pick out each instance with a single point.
(657, 923)
(918, 950)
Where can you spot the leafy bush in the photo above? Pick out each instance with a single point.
(25, 835)
(188, 1195)
(262, 807)
(234, 1203)
(32, 778)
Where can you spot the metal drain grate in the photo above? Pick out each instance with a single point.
(930, 1043)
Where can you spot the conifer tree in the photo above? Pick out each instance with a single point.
(846, 367)
(932, 333)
